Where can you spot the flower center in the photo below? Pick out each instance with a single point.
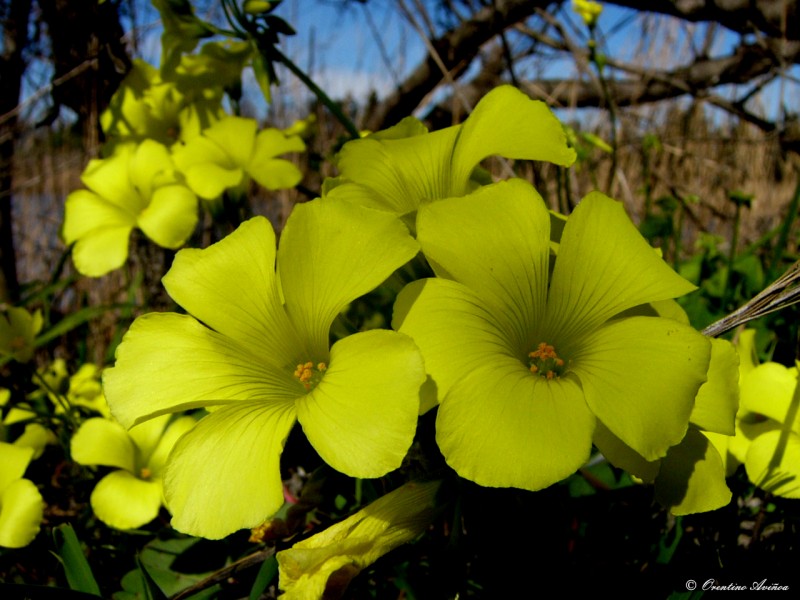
(308, 374)
(145, 473)
(545, 362)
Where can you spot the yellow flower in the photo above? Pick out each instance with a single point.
(588, 10)
(132, 495)
(255, 349)
(136, 187)
(334, 556)
(767, 440)
(21, 504)
(18, 329)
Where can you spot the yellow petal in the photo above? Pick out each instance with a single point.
(224, 474)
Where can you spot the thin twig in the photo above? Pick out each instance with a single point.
(90, 63)
(224, 573)
(780, 294)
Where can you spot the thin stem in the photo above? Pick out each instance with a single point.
(732, 256)
(610, 105)
(646, 176)
(62, 400)
(783, 239)
(318, 92)
(784, 292)
(677, 235)
(223, 574)
(234, 18)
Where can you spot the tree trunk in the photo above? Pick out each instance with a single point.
(15, 16)
(89, 59)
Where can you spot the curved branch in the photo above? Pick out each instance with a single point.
(747, 63)
(457, 49)
(774, 18)
(777, 20)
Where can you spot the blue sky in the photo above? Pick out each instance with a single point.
(340, 43)
(343, 45)
(351, 48)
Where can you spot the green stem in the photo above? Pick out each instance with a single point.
(610, 106)
(783, 239)
(318, 92)
(60, 399)
(732, 256)
(677, 234)
(566, 196)
(234, 17)
(648, 192)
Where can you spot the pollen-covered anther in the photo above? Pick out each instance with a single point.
(145, 473)
(546, 362)
(308, 374)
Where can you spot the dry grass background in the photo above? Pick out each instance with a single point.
(693, 158)
(700, 153)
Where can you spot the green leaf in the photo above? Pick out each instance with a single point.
(182, 31)
(748, 266)
(76, 567)
(261, 69)
(597, 142)
(278, 25)
(594, 477)
(741, 198)
(73, 320)
(266, 575)
(154, 578)
(666, 550)
(150, 587)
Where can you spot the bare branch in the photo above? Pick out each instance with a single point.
(746, 64)
(776, 22)
(775, 18)
(457, 49)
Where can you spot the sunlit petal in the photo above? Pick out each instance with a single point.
(193, 367)
(718, 398)
(397, 174)
(224, 474)
(103, 442)
(370, 394)
(496, 242)
(640, 376)
(773, 463)
(123, 501)
(452, 328)
(13, 462)
(501, 426)
(171, 216)
(21, 512)
(604, 266)
(508, 123)
(231, 287)
(331, 253)
(623, 456)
